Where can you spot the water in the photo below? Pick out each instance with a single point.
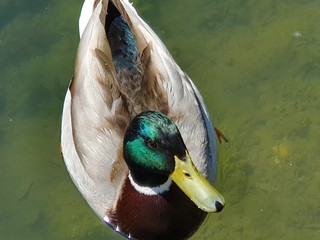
(256, 64)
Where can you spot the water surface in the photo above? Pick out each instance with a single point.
(257, 66)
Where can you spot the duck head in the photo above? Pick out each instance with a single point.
(156, 155)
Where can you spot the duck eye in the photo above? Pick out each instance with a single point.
(152, 144)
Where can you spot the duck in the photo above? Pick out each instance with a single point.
(136, 136)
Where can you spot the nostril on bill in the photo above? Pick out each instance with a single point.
(219, 206)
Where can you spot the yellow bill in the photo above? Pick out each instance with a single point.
(196, 186)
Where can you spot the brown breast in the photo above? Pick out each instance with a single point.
(170, 215)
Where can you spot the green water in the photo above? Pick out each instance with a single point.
(257, 65)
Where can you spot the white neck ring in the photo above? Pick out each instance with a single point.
(151, 190)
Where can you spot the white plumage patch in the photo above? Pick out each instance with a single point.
(151, 190)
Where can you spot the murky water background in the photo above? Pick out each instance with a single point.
(257, 64)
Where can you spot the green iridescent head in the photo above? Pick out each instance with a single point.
(154, 152)
(150, 144)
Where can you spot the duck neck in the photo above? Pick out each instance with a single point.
(150, 190)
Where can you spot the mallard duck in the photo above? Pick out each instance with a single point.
(137, 139)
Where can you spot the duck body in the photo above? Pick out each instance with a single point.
(132, 121)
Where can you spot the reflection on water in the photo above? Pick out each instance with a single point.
(257, 66)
